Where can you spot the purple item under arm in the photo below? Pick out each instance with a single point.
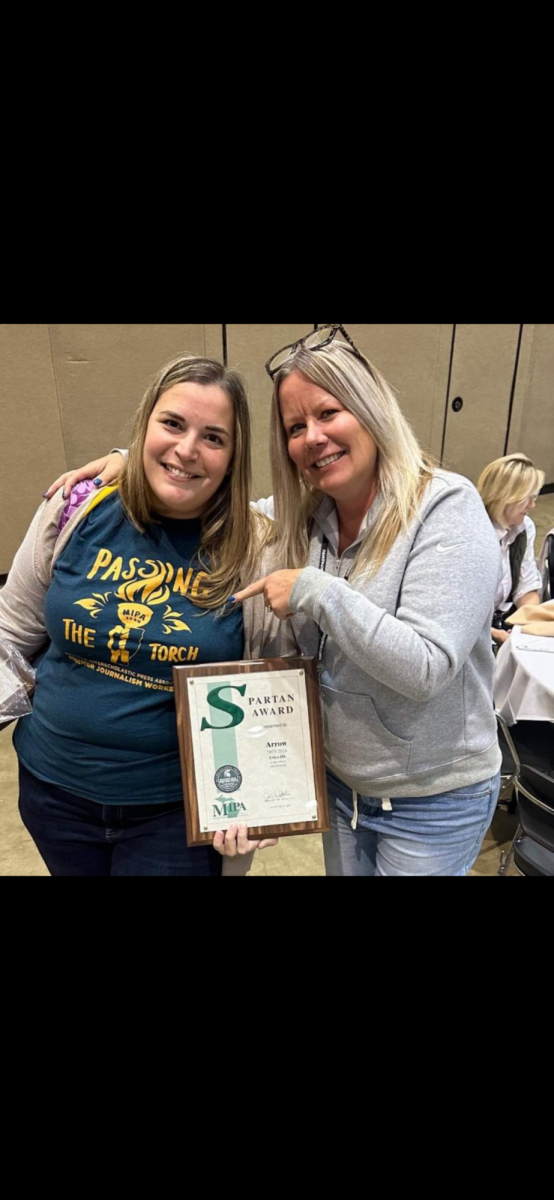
(78, 494)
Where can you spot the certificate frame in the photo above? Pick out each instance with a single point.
(306, 751)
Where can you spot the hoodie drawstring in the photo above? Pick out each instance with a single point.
(354, 821)
(386, 805)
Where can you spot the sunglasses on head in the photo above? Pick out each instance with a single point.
(318, 339)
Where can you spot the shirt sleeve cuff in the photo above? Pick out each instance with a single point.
(309, 590)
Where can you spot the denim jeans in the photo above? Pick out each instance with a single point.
(433, 835)
(81, 837)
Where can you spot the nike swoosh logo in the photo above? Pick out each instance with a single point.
(448, 549)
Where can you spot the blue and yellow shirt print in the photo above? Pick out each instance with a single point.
(120, 614)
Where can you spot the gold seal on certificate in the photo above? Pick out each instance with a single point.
(251, 747)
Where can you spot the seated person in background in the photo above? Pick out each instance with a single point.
(509, 488)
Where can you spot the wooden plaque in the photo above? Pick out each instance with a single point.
(251, 743)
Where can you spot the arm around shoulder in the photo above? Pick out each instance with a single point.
(22, 598)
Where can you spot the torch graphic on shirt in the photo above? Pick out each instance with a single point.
(137, 601)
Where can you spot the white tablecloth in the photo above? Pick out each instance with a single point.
(524, 678)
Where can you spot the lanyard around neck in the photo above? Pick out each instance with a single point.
(324, 636)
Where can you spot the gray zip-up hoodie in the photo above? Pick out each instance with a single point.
(407, 668)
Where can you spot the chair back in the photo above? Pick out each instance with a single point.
(545, 564)
(532, 849)
(535, 798)
(510, 758)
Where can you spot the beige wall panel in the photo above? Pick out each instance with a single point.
(482, 376)
(213, 341)
(102, 372)
(415, 359)
(31, 435)
(248, 349)
(532, 427)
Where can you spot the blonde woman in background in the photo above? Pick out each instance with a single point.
(509, 488)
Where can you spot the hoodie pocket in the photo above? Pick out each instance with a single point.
(356, 739)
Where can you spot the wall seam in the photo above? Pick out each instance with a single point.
(58, 398)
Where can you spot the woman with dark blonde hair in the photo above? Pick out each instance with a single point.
(110, 588)
(509, 488)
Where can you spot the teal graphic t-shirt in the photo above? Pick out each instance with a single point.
(120, 614)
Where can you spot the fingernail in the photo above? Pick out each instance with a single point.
(232, 599)
(64, 495)
(45, 495)
(97, 482)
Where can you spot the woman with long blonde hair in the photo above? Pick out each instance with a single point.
(393, 569)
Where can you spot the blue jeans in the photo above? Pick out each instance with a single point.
(433, 835)
(80, 837)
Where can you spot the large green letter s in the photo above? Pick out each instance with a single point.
(217, 701)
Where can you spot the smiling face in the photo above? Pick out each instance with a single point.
(333, 451)
(188, 448)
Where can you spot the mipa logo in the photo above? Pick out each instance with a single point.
(228, 779)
